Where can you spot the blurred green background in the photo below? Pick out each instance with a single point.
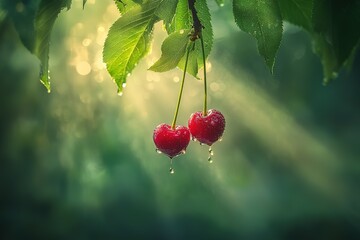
(79, 163)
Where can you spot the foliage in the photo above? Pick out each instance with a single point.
(328, 22)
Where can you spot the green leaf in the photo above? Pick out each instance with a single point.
(207, 32)
(336, 33)
(220, 2)
(44, 22)
(22, 14)
(84, 2)
(166, 10)
(128, 40)
(68, 4)
(173, 49)
(193, 64)
(262, 20)
(298, 12)
(125, 5)
(183, 20)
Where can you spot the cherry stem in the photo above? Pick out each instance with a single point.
(173, 125)
(205, 82)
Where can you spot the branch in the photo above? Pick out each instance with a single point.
(197, 26)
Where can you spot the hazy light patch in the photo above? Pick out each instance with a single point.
(214, 87)
(208, 66)
(176, 79)
(86, 42)
(83, 68)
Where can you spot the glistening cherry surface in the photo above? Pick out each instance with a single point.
(171, 141)
(207, 129)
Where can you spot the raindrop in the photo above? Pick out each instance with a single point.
(220, 139)
(202, 143)
(124, 85)
(120, 93)
(172, 171)
(194, 139)
(181, 31)
(183, 151)
(158, 151)
(211, 152)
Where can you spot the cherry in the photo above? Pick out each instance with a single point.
(171, 141)
(207, 129)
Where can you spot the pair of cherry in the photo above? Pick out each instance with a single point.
(207, 129)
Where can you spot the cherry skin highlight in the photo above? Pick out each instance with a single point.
(171, 142)
(207, 129)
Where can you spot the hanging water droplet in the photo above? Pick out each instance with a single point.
(124, 85)
(202, 143)
(211, 152)
(194, 139)
(158, 151)
(172, 171)
(210, 159)
(220, 139)
(183, 151)
(120, 93)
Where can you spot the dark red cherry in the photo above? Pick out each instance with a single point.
(169, 141)
(207, 129)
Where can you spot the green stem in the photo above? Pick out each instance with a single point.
(173, 125)
(205, 82)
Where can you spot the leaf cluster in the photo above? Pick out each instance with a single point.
(331, 24)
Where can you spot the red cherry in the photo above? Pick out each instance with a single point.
(207, 129)
(169, 141)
